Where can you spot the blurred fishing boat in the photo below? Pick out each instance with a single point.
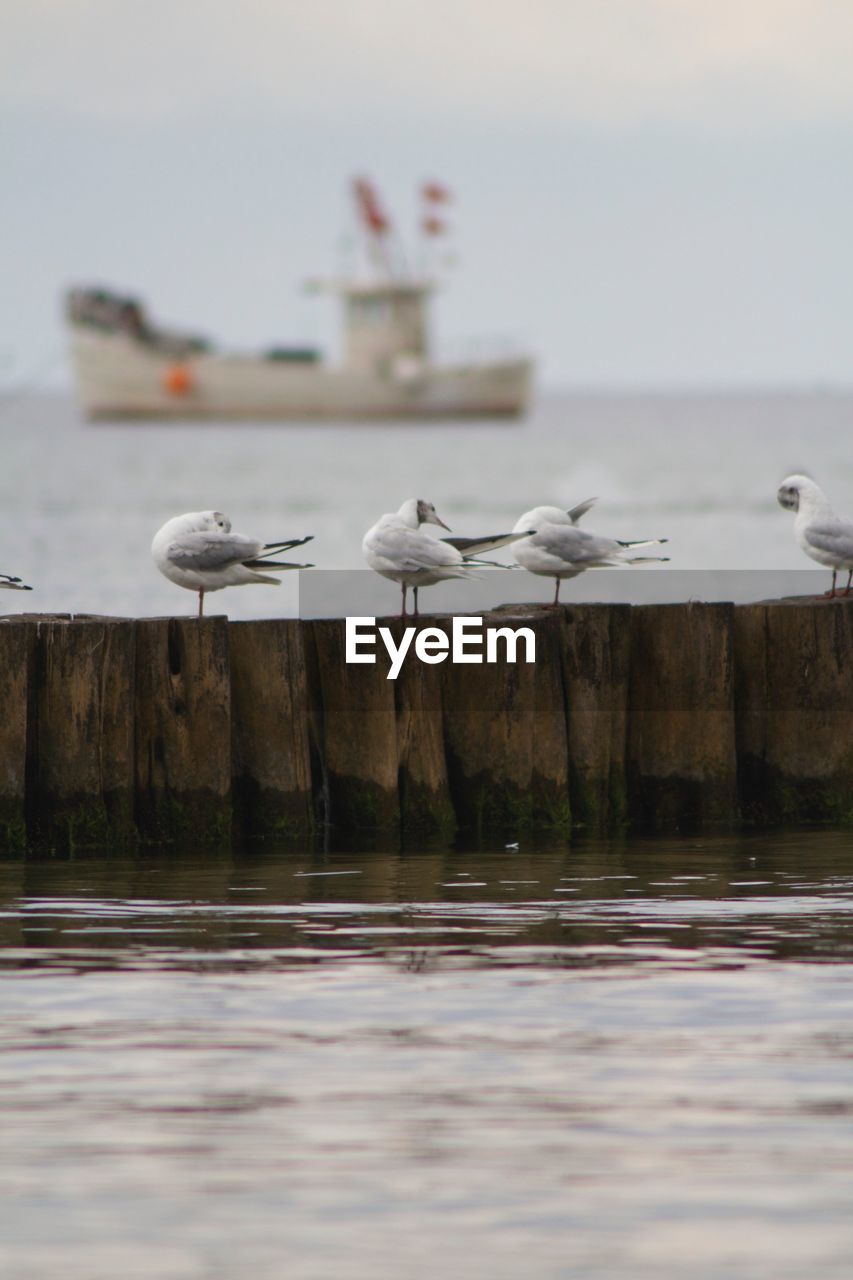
(128, 367)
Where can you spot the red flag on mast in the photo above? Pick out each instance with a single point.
(436, 193)
(432, 226)
(372, 213)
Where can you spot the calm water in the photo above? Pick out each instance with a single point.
(616, 1060)
(620, 1060)
(80, 503)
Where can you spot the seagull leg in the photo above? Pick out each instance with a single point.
(557, 591)
(831, 593)
(201, 603)
(405, 589)
(415, 598)
(849, 579)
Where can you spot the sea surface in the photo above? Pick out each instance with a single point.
(626, 1060)
(80, 503)
(616, 1060)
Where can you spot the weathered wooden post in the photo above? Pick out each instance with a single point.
(596, 649)
(662, 716)
(794, 699)
(682, 770)
(183, 729)
(17, 639)
(270, 747)
(426, 808)
(505, 732)
(356, 730)
(81, 786)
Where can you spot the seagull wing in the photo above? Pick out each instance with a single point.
(210, 551)
(832, 537)
(574, 546)
(408, 550)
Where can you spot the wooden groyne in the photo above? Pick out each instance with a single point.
(659, 717)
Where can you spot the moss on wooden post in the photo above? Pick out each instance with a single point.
(183, 729)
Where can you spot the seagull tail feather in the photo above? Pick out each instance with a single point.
(274, 564)
(272, 548)
(581, 509)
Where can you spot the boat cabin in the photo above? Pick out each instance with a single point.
(385, 323)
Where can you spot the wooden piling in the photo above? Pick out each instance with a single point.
(794, 697)
(651, 718)
(356, 733)
(270, 747)
(183, 729)
(17, 640)
(505, 733)
(682, 766)
(596, 645)
(426, 806)
(81, 740)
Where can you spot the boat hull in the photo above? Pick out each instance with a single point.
(121, 378)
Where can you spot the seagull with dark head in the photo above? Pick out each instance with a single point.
(823, 535)
(396, 548)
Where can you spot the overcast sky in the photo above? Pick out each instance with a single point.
(648, 191)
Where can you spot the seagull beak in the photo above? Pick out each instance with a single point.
(436, 519)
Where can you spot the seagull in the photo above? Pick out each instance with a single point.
(819, 531)
(396, 548)
(559, 549)
(13, 584)
(198, 551)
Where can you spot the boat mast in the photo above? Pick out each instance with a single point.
(383, 251)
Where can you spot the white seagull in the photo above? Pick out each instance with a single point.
(198, 551)
(396, 548)
(13, 584)
(819, 531)
(559, 549)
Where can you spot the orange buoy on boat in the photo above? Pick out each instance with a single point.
(178, 380)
